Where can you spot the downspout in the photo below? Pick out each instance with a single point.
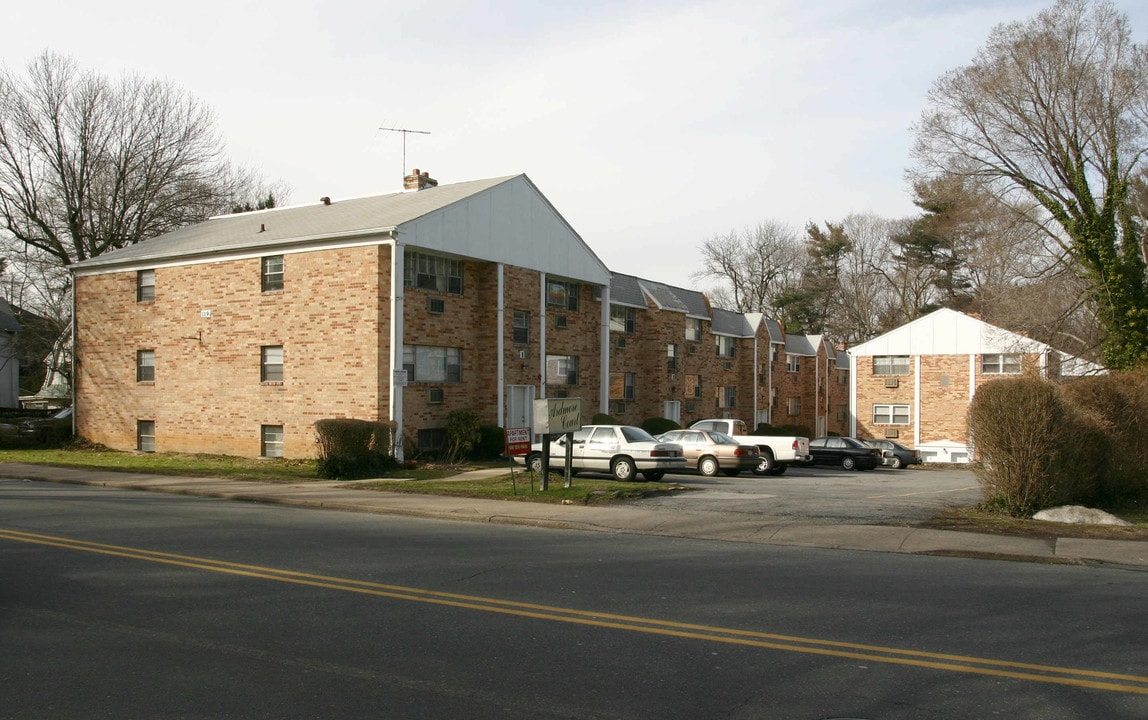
(501, 348)
(769, 389)
(72, 359)
(542, 338)
(756, 384)
(395, 397)
(604, 353)
(852, 395)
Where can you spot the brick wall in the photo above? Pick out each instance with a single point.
(207, 396)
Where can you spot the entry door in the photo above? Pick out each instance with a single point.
(520, 406)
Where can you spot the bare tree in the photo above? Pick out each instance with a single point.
(88, 165)
(752, 266)
(1055, 110)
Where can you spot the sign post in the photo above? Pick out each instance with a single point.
(517, 443)
(555, 416)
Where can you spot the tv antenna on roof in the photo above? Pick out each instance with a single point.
(405, 132)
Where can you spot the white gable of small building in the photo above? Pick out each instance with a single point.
(509, 223)
(947, 332)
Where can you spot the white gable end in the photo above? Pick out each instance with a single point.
(947, 332)
(510, 223)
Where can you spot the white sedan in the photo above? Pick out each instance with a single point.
(621, 450)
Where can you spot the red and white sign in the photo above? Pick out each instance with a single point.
(517, 441)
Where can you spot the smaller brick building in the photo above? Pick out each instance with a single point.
(914, 384)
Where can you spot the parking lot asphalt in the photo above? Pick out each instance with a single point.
(870, 511)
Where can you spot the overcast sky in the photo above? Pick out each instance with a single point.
(650, 125)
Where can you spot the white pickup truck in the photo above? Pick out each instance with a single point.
(777, 452)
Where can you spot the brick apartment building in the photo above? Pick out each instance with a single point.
(235, 335)
(914, 384)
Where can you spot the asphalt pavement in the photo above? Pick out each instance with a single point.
(622, 519)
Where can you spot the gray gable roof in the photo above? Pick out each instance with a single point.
(624, 290)
(504, 219)
(728, 322)
(633, 291)
(775, 333)
(801, 345)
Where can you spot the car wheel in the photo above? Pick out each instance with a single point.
(534, 462)
(765, 464)
(779, 469)
(623, 469)
(848, 463)
(708, 466)
(653, 475)
(897, 464)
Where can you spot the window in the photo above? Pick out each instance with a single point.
(145, 435)
(890, 364)
(890, 414)
(145, 366)
(842, 376)
(561, 370)
(1003, 364)
(671, 357)
(559, 321)
(562, 295)
(271, 363)
(727, 397)
(521, 327)
(145, 286)
(435, 396)
(792, 363)
(431, 438)
(622, 386)
(623, 319)
(694, 386)
(793, 406)
(773, 352)
(726, 346)
(432, 272)
(430, 363)
(271, 441)
(693, 329)
(436, 305)
(272, 273)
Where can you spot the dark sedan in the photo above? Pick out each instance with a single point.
(849, 453)
(896, 455)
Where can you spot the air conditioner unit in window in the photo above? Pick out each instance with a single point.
(892, 382)
(892, 432)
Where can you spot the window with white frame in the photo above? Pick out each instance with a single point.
(793, 406)
(521, 327)
(145, 435)
(623, 319)
(622, 385)
(272, 268)
(890, 364)
(671, 357)
(145, 286)
(271, 363)
(890, 414)
(271, 441)
(432, 363)
(432, 272)
(693, 329)
(561, 370)
(562, 295)
(145, 366)
(792, 363)
(727, 396)
(1001, 364)
(726, 346)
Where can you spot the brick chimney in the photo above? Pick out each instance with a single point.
(419, 181)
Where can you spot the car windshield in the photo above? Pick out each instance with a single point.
(636, 434)
(722, 439)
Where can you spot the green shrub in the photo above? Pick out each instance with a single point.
(602, 419)
(658, 425)
(1117, 404)
(491, 442)
(463, 434)
(1035, 449)
(350, 448)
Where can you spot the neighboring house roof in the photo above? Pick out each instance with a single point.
(8, 321)
(505, 219)
(624, 290)
(948, 332)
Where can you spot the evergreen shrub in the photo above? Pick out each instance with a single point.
(350, 448)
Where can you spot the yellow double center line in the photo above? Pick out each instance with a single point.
(1114, 682)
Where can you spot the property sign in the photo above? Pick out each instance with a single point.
(553, 416)
(517, 441)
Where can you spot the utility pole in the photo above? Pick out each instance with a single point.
(405, 132)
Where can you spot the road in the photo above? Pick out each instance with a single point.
(128, 604)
